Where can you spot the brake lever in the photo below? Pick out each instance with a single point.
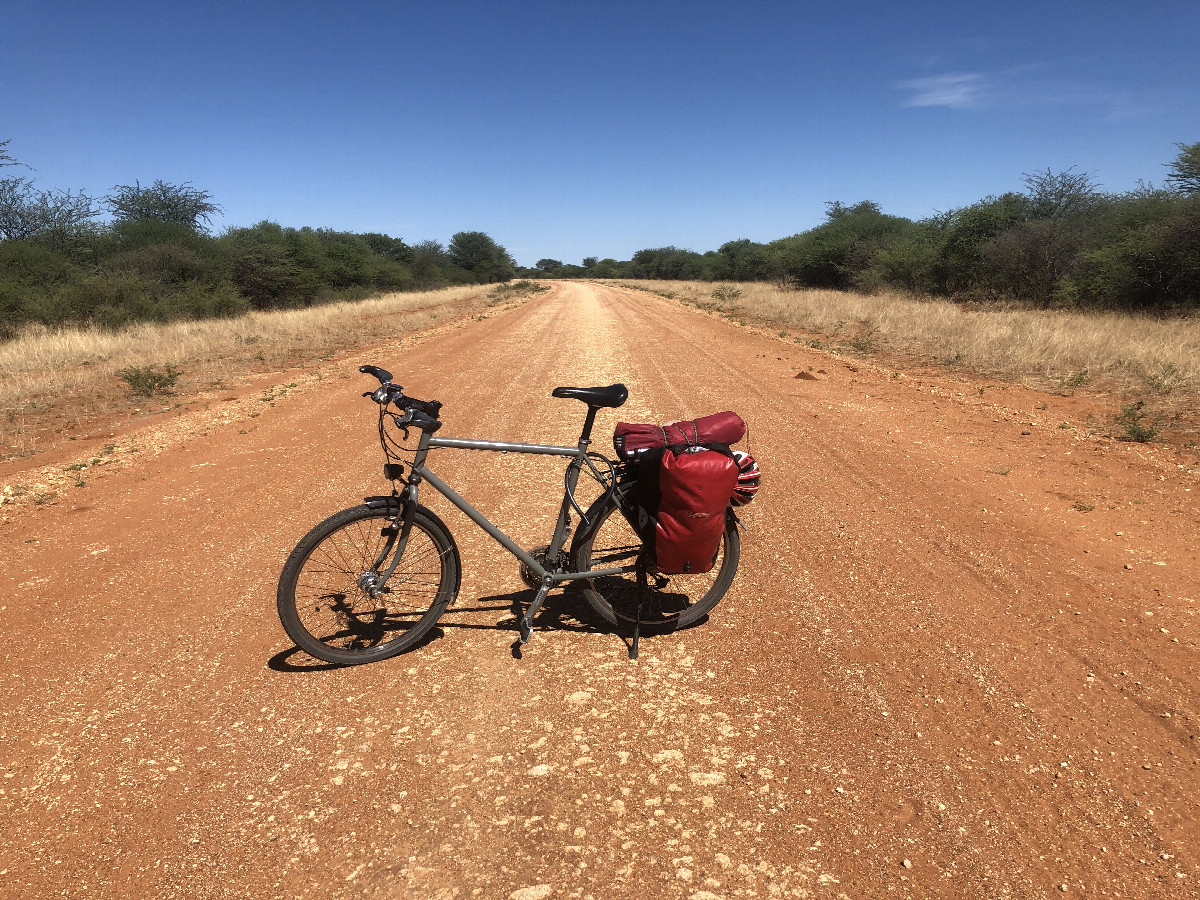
(398, 421)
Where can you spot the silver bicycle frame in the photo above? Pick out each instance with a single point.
(579, 459)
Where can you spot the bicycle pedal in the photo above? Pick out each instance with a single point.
(525, 629)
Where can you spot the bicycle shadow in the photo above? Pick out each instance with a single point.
(564, 610)
(282, 661)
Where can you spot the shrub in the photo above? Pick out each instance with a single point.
(1130, 418)
(390, 275)
(1166, 379)
(833, 255)
(169, 263)
(270, 278)
(516, 289)
(726, 293)
(148, 380)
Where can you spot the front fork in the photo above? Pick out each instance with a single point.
(374, 581)
(404, 503)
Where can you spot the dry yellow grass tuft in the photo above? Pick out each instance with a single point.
(1052, 347)
(70, 373)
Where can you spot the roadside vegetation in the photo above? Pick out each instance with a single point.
(53, 380)
(154, 258)
(1059, 243)
(1152, 361)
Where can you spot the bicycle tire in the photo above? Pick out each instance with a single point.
(672, 602)
(329, 616)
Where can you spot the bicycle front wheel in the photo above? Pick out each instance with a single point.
(329, 599)
(670, 602)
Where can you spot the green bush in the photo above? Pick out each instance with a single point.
(149, 380)
(270, 278)
(516, 289)
(835, 254)
(1131, 418)
(166, 263)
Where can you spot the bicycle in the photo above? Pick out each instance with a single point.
(371, 581)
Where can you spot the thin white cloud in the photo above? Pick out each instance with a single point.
(1026, 86)
(955, 90)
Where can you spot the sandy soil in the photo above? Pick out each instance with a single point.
(959, 659)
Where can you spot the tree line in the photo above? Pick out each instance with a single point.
(155, 258)
(1060, 241)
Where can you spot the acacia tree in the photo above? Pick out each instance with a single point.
(54, 217)
(176, 204)
(477, 253)
(1185, 170)
(1057, 195)
(5, 159)
(51, 216)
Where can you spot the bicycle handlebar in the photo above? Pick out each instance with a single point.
(417, 419)
(383, 375)
(387, 393)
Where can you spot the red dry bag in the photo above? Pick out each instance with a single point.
(694, 487)
(631, 440)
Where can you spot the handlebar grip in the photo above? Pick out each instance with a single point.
(429, 407)
(419, 419)
(383, 375)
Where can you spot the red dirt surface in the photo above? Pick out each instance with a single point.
(959, 659)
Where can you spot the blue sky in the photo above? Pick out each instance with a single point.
(570, 130)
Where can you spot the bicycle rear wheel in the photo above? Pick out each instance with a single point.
(325, 600)
(671, 602)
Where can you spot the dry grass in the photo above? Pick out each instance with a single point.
(1050, 348)
(68, 375)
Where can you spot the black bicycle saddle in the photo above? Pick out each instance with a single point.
(613, 395)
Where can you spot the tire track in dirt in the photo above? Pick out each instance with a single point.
(900, 609)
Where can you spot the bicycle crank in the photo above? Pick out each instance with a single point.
(527, 574)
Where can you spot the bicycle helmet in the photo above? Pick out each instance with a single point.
(748, 481)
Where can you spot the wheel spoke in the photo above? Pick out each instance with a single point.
(667, 601)
(330, 596)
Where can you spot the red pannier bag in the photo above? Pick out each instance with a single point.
(632, 440)
(694, 486)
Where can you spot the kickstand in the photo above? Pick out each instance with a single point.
(637, 621)
(525, 623)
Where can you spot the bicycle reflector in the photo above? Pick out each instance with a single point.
(393, 471)
(748, 481)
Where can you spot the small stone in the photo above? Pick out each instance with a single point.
(1063, 888)
(543, 769)
(664, 757)
(533, 892)
(907, 863)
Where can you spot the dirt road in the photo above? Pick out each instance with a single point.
(959, 659)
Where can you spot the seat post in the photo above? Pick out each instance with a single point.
(586, 437)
